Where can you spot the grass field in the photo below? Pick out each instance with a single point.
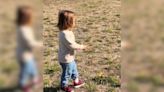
(143, 57)
(98, 25)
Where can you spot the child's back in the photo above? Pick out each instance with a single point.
(66, 52)
(23, 45)
(67, 47)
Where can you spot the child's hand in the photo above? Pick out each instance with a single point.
(40, 44)
(84, 47)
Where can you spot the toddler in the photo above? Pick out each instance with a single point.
(67, 47)
(25, 44)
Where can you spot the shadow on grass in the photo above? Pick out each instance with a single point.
(112, 80)
(17, 89)
(10, 89)
(51, 89)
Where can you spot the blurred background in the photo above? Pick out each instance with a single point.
(9, 67)
(142, 45)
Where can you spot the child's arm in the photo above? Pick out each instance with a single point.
(29, 36)
(70, 42)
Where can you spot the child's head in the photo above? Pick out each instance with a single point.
(66, 20)
(24, 15)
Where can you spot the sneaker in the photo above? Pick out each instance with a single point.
(26, 89)
(67, 89)
(36, 83)
(79, 84)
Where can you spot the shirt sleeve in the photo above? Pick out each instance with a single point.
(69, 41)
(30, 38)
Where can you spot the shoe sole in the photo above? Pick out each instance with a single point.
(65, 91)
(79, 85)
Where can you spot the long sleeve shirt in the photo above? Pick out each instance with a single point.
(67, 46)
(25, 43)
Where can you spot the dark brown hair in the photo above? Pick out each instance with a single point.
(24, 15)
(65, 19)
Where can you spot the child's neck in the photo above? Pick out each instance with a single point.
(67, 30)
(27, 25)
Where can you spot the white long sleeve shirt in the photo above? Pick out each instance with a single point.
(25, 43)
(67, 46)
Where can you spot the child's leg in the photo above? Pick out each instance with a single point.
(24, 77)
(34, 71)
(66, 73)
(75, 73)
(76, 83)
(35, 75)
(29, 69)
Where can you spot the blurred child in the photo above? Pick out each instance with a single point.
(25, 44)
(67, 47)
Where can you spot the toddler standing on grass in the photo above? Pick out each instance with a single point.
(67, 47)
(26, 43)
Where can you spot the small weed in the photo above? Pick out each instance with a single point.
(46, 82)
(91, 87)
(162, 38)
(109, 30)
(118, 66)
(110, 62)
(47, 52)
(111, 89)
(158, 81)
(119, 41)
(118, 15)
(92, 6)
(52, 69)
(49, 71)
(103, 18)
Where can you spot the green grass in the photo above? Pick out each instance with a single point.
(112, 80)
(109, 30)
(111, 89)
(91, 87)
(51, 69)
(133, 87)
(155, 80)
(2, 82)
(46, 82)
